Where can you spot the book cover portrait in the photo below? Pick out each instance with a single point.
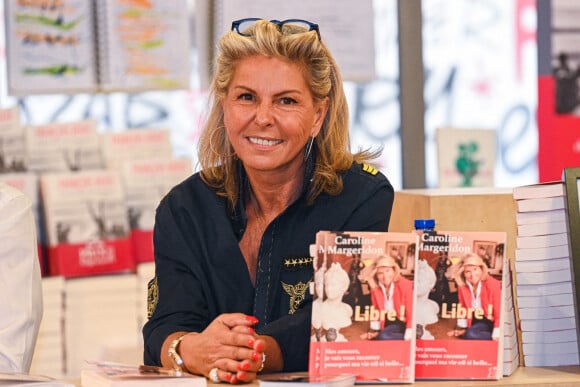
(363, 305)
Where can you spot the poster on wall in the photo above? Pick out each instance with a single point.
(50, 46)
(72, 46)
(558, 87)
(347, 27)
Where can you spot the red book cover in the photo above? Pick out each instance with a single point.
(363, 306)
(460, 301)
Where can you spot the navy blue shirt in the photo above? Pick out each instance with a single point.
(200, 271)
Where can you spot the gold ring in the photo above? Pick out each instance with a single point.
(263, 362)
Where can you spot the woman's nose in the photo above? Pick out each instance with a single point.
(264, 114)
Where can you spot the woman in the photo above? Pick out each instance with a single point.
(392, 294)
(480, 292)
(229, 298)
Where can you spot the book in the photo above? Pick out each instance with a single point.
(542, 253)
(545, 277)
(534, 266)
(538, 241)
(548, 324)
(544, 289)
(146, 182)
(559, 336)
(12, 142)
(456, 348)
(355, 273)
(34, 31)
(103, 310)
(103, 46)
(86, 222)
(541, 190)
(135, 145)
(110, 374)
(535, 229)
(142, 45)
(541, 204)
(546, 301)
(296, 379)
(64, 147)
(465, 157)
(558, 215)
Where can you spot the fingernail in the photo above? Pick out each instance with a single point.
(252, 319)
(228, 376)
(255, 356)
(251, 343)
(241, 375)
(259, 347)
(234, 380)
(243, 366)
(251, 330)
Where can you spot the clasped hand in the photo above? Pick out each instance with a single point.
(229, 344)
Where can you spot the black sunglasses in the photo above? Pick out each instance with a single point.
(240, 26)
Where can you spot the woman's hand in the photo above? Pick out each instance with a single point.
(228, 344)
(457, 332)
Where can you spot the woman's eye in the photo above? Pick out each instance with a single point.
(245, 97)
(287, 101)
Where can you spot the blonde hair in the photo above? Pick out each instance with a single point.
(468, 259)
(220, 166)
(387, 261)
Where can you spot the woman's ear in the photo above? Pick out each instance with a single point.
(320, 115)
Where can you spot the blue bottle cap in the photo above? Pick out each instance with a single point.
(424, 224)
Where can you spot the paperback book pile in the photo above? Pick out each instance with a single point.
(544, 280)
(461, 320)
(62, 147)
(146, 182)
(133, 145)
(363, 311)
(86, 223)
(48, 356)
(101, 321)
(12, 142)
(511, 340)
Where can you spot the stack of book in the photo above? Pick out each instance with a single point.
(48, 356)
(544, 278)
(511, 352)
(101, 321)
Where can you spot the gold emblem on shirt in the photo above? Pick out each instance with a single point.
(372, 170)
(297, 263)
(296, 293)
(152, 296)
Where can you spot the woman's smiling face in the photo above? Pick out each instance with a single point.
(269, 113)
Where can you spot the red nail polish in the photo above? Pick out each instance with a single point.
(252, 319)
(251, 343)
(259, 347)
(241, 375)
(255, 356)
(251, 330)
(228, 376)
(234, 380)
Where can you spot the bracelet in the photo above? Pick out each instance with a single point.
(263, 362)
(173, 352)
